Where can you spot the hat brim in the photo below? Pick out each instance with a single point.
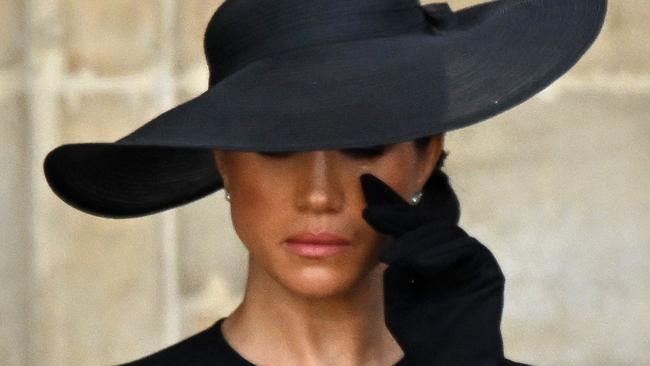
(339, 95)
(121, 181)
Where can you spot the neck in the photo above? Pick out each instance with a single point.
(275, 326)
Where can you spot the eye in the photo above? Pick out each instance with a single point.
(371, 152)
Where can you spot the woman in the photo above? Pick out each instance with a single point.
(324, 122)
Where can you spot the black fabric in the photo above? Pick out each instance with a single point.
(243, 31)
(443, 289)
(295, 75)
(159, 177)
(209, 348)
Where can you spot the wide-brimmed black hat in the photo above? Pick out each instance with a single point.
(299, 75)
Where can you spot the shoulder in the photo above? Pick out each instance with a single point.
(198, 349)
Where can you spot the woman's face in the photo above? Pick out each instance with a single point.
(276, 195)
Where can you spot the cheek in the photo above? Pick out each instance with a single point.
(258, 215)
(254, 200)
(396, 169)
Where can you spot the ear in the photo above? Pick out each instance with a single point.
(429, 158)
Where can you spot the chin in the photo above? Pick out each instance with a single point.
(321, 282)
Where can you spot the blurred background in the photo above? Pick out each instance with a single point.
(557, 188)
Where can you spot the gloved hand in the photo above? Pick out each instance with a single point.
(443, 289)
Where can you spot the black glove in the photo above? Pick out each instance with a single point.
(443, 289)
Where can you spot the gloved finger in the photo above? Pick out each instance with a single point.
(377, 192)
(427, 241)
(461, 261)
(390, 219)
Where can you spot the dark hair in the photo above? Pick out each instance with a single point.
(422, 142)
(438, 185)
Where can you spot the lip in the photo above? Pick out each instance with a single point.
(319, 245)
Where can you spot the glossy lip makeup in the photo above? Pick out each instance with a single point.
(321, 245)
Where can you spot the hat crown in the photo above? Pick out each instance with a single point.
(242, 31)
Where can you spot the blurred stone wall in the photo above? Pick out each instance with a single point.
(557, 188)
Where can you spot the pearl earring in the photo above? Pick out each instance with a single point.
(416, 199)
(227, 195)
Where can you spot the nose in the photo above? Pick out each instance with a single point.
(320, 186)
